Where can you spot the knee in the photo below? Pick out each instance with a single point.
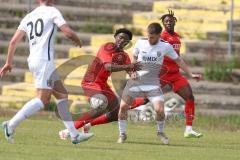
(159, 111)
(160, 115)
(123, 108)
(112, 116)
(45, 100)
(190, 98)
(61, 96)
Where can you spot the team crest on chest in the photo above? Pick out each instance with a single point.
(159, 53)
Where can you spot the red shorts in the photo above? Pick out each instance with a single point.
(93, 88)
(175, 80)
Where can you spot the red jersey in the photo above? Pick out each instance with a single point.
(96, 74)
(174, 40)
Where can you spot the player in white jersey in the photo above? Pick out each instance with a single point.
(40, 25)
(150, 53)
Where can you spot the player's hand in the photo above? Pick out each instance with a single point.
(6, 68)
(134, 66)
(79, 44)
(137, 66)
(197, 77)
(133, 75)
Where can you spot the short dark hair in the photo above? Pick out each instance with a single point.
(170, 14)
(124, 30)
(154, 28)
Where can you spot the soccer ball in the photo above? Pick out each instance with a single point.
(147, 113)
(98, 101)
(174, 108)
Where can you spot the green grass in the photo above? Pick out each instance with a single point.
(38, 139)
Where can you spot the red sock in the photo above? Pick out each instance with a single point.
(189, 112)
(99, 120)
(79, 124)
(138, 102)
(81, 120)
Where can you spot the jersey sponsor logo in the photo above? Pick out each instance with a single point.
(176, 46)
(151, 59)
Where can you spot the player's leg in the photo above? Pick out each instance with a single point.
(138, 102)
(93, 113)
(112, 102)
(112, 115)
(158, 104)
(38, 69)
(96, 116)
(122, 117)
(183, 89)
(61, 95)
(31, 107)
(109, 116)
(83, 120)
(86, 117)
(142, 101)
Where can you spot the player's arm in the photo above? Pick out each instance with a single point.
(17, 37)
(172, 54)
(186, 69)
(111, 67)
(128, 66)
(133, 74)
(136, 51)
(69, 33)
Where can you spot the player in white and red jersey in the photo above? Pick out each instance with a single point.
(40, 26)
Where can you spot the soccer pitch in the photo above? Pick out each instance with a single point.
(38, 139)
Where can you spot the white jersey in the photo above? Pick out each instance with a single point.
(151, 57)
(40, 26)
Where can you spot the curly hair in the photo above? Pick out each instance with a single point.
(170, 14)
(124, 30)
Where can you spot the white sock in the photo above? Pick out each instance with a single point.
(160, 126)
(122, 126)
(66, 117)
(188, 129)
(26, 111)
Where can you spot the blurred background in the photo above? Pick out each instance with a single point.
(210, 31)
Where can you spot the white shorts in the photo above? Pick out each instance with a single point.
(44, 73)
(152, 92)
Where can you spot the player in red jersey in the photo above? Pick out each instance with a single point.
(110, 58)
(173, 77)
